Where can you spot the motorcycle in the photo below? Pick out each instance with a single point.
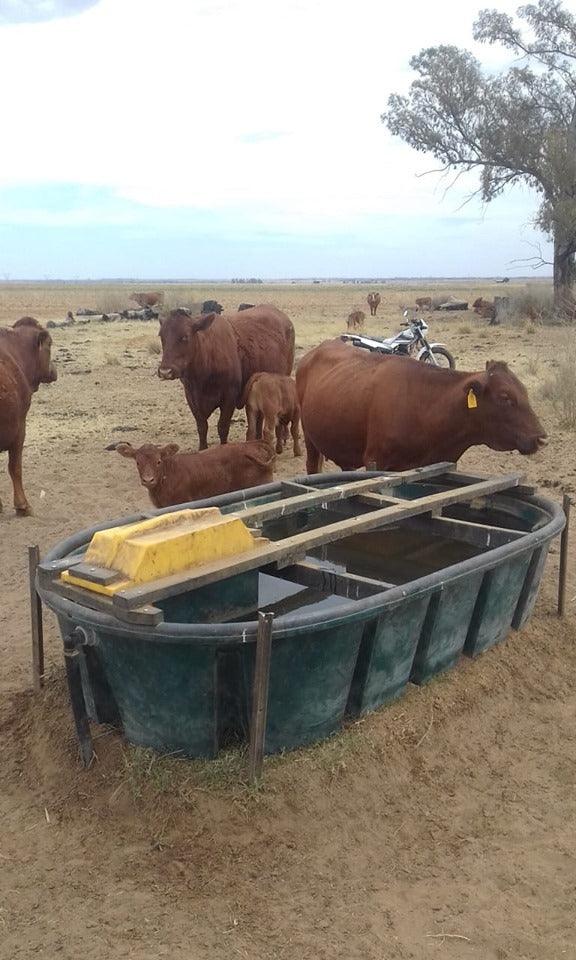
(411, 342)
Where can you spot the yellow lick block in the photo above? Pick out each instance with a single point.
(155, 548)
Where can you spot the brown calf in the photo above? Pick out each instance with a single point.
(424, 303)
(271, 398)
(25, 363)
(171, 477)
(481, 304)
(356, 319)
(148, 299)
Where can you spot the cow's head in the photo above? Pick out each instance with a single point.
(499, 402)
(178, 332)
(150, 460)
(37, 344)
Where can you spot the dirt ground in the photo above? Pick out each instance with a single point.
(441, 826)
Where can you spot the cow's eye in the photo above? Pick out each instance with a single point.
(183, 338)
(505, 400)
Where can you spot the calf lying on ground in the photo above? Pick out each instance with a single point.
(271, 400)
(171, 477)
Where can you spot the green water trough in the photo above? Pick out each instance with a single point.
(376, 580)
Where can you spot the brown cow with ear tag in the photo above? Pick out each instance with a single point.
(359, 408)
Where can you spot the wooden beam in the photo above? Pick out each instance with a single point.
(285, 552)
(256, 516)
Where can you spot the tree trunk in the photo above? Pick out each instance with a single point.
(564, 275)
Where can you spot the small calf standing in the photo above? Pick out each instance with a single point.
(271, 399)
(424, 303)
(171, 477)
(356, 319)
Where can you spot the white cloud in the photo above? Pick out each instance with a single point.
(262, 113)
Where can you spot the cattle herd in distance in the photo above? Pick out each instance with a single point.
(346, 401)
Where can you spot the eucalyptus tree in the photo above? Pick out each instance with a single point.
(515, 126)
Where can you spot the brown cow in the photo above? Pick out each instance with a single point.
(148, 299)
(272, 398)
(171, 477)
(485, 309)
(359, 407)
(24, 364)
(356, 319)
(424, 303)
(480, 305)
(373, 300)
(215, 356)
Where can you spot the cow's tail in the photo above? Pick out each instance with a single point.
(244, 393)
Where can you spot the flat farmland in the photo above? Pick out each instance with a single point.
(441, 826)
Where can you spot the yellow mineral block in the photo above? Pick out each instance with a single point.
(155, 548)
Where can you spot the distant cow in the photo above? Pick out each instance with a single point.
(25, 363)
(481, 304)
(373, 301)
(424, 303)
(485, 309)
(359, 408)
(212, 306)
(356, 319)
(272, 398)
(148, 299)
(146, 313)
(245, 306)
(171, 477)
(215, 356)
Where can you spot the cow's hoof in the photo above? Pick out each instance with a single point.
(24, 511)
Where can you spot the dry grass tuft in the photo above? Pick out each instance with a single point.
(560, 388)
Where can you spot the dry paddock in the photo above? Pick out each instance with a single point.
(439, 827)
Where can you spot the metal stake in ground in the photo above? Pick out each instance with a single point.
(260, 695)
(566, 504)
(36, 621)
(72, 653)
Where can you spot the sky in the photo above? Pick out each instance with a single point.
(220, 139)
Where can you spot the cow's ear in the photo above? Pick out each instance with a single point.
(203, 322)
(473, 390)
(126, 450)
(43, 338)
(169, 450)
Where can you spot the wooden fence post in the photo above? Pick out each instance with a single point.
(260, 695)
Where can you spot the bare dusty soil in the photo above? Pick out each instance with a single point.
(441, 826)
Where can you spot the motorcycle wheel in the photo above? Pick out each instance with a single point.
(442, 358)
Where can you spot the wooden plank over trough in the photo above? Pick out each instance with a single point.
(293, 549)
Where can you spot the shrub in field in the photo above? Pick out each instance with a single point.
(534, 304)
(560, 388)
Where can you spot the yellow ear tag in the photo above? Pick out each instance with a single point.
(472, 401)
